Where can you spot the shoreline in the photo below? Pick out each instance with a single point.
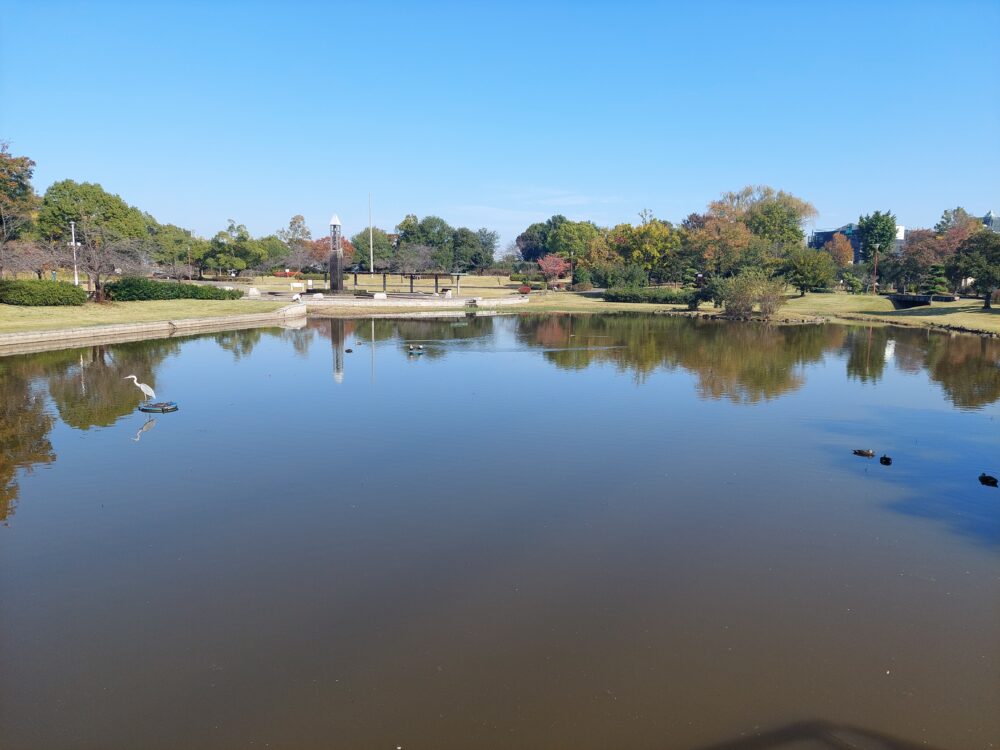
(28, 342)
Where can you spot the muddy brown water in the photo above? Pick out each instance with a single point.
(543, 532)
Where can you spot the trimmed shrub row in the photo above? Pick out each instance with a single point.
(35, 293)
(658, 295)
(138, 289)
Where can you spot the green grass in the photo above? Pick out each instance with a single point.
(14, 319)
(965, 313)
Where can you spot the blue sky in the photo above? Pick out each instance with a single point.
(502, 114)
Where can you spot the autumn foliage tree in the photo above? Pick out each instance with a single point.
(840, 249)
(553, 266)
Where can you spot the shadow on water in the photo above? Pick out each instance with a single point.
(818, 734)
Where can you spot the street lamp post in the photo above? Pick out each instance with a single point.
(336, 256)
(876, 245)
(76, 273)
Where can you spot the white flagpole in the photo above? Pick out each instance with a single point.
(371, 244)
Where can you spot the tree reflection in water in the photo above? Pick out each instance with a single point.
(743, 363)
(740, 362)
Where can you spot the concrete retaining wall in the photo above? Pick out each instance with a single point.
(38, 341)
(443, 302)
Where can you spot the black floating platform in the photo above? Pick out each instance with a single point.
(161, 407)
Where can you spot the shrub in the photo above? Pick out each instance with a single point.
(35, 293)
(582, 277)
(139, 289)
(524, 289)
(658, 295)
(631, 276)
(750, 287)
(582, 286)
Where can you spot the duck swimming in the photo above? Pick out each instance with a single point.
(987, 480)
(864, 452)
(885, 460)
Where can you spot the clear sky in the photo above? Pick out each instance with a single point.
(502, 114)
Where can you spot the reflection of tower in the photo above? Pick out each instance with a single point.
(336, 256)
(337, 338)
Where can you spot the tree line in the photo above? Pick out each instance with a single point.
(750, 239)
(755, 237)
(80, 224)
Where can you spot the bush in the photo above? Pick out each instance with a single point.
(527, 277)
(524, 289)
(752, 286)
(582, 286)
(631, 276)
(35, 293)
(582, 277)
(658, 295)
(139, 289)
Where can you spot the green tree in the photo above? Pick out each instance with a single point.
(807, 269)
(176, 248)
(486, 254)
(653, 244)
(432, 231)
(773, 215)
(571, 239)
(234, 249)
(88, 203)
(935, 281)
(381, 246)
(465, 248)
(877, 229)
(533, 241)
(112, 235)
(979, 259)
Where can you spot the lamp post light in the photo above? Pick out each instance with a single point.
(72, 243)
(876, 245)
(336, 256)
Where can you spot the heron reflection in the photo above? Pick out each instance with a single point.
(146, 427)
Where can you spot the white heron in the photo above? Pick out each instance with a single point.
(146, 390)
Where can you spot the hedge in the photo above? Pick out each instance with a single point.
(35, 293)
(658, 295)
(138, 289)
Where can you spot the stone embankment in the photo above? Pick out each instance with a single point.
(37, 341)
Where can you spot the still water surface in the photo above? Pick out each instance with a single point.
(548, 532)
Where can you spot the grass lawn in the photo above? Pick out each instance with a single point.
(16, 319)
(966, 313)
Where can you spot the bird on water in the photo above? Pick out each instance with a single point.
(146, 390)
(987, 480)
(885, 460)
(867, 453)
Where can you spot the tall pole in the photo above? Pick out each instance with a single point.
(76, 273)
(875, 272)
(371, 244)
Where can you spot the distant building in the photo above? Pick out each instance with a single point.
(992, 222)
(819, 238)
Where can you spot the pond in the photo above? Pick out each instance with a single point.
(540, 532)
